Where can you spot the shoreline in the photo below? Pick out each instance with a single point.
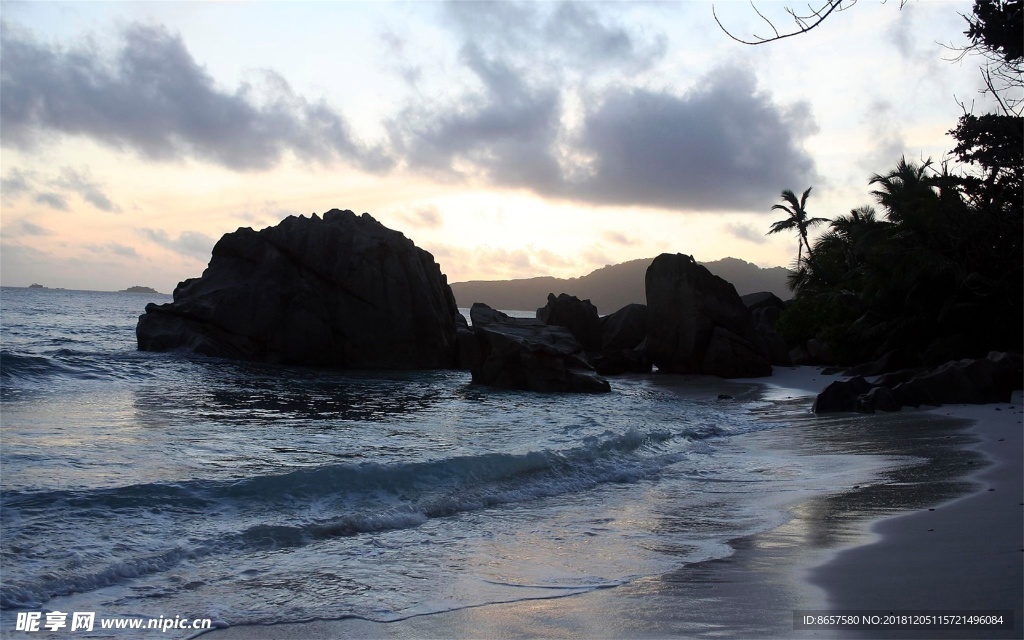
(803, 565)
(968, 550)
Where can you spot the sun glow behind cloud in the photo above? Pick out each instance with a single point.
(510, 139)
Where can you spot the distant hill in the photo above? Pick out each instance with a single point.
(612, 287)
(139, 289)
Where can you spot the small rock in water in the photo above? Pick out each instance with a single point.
(724, 396)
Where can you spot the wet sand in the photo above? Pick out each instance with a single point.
(926, 537)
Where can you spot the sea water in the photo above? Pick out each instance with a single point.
(156, 485)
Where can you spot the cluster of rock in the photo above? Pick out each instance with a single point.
(968, 381)
(693, 322)
(338, 291)
(614, 344)
(344, 291)
(528, 354)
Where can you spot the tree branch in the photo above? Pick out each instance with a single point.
(804, 23)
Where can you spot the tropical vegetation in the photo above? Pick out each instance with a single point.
(935, 267)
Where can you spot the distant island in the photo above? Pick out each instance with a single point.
(35, 285)
(611, 287)
(138, 289)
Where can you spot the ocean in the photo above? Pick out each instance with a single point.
(170, 485)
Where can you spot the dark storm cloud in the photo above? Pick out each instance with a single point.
(579, 30)
(723, 145)
(154, 98)
(571, 36)
(503, 133)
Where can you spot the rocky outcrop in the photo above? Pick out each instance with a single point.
(623, 346)
(977, 381)
(697, 323)
(578, 316)
(765, 308)
(841, 396)
(527, 354)
(730, 356)
(624, 329)
(895, 360)
(339, 291)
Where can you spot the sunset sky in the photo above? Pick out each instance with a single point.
(508, 139)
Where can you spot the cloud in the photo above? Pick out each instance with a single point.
(745, 232)
(269, 213)
(153, 98)
(52, 199)
(505, 126)
(190, 244)
(425, 218)
(564, 38)
(722, 145)
(58, 189)
(397, 57)
(82, 183)
(114, 248)
(887, 143)
(20, 228)
(618, 238)
(495, 263)
(588, 37)
(15, 184)
(501, 134)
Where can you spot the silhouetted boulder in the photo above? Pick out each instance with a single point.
(613, 363)
(686, 305)
(526, 353)
(989, 379)
(342, 291)
(469, 351)
(730, 356)
(624, 329)
(578, 316)
(877, 399)
(765, 308)
(841, 395)
(978, 381)
(896, 360)
(819, 351)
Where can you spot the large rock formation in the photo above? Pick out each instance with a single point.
(578, 316)
(978, 381)
(697, 323)
(526, 353)
(342, 291)
(624, 329)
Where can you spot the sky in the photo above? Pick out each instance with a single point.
(509, 139)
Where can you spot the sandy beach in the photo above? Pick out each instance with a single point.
(941, 535)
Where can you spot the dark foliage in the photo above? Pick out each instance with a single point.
(940, 272)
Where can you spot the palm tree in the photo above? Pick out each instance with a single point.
(797, 220)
